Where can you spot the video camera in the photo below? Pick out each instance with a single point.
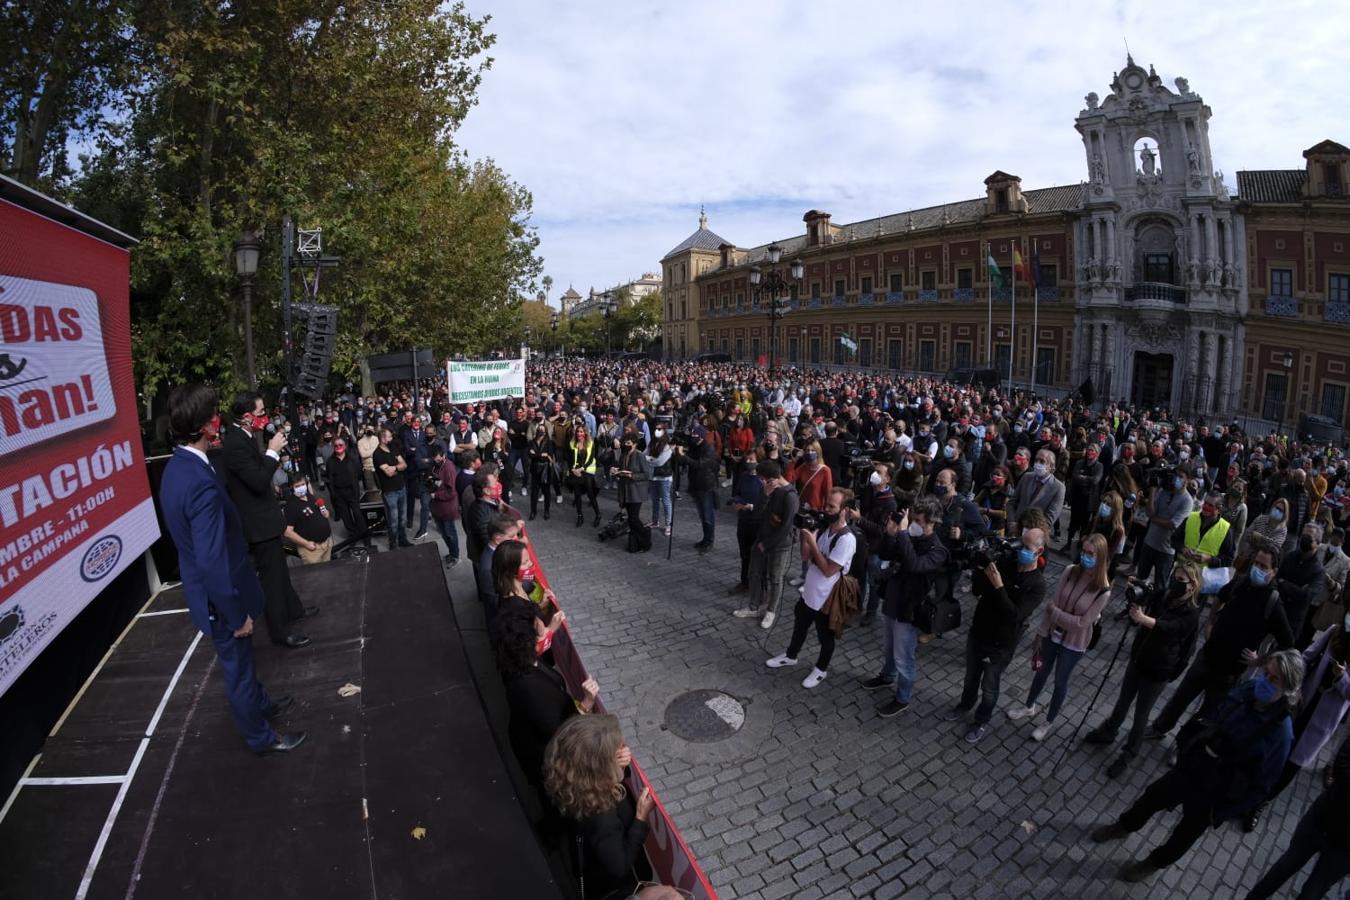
(1160, 475)
(808, 520)
(981, 552)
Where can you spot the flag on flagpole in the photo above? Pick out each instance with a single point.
(849, 343)
(1019, 267)
(995, 273)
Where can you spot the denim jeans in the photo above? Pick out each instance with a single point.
(767, 571)
(416, 489)
(395, 508)
(660, 491)
(874, 583)
(984, 675)
(1309, 840)
(902, 643)
(706, 501)
(1060, 660)
(451, 535)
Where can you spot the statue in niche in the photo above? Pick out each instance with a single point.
(1094, 271)
(1149, 160)
(1193, 158)
(1091, 100)
(1183, 86)
(1097, 168)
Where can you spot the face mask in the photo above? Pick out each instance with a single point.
(1338, 490)
(1263, 689)
(1177, 589)
(909, 464)
(948, 452)
(998, 480)
(874, 479)
(1184, 455)
(1305, 543)
(1276, 516)
(1260, 577)
(1017, 429)
(1026, 556)
(1104, 511)
(915, 530)
(940, 489)
(1088, 561)
(1178, 483)
(1041, 470)
(301, 490)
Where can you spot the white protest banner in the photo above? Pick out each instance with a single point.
(492, 380)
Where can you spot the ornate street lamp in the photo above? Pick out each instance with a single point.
(607, 307)
(246, 266)
(1288, 363)
(773, 283)
(553, 323)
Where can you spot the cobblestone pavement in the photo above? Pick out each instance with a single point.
(817, 796)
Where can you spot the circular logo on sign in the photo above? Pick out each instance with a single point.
(11, 620)
(101, 557)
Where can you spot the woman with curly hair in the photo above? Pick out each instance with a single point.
(583, 774)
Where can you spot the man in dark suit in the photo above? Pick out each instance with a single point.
(346, 488)
(221, 588)
(248, 476)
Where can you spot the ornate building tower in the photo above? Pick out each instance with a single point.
(1160, 252)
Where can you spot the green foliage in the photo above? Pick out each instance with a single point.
(341, 113)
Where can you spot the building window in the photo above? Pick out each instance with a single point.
(792, 291)
(1277, 390)
(684, 309)
(865, 352)
(865, 286)
(1045, 365)
(1338, 288)
(1158, 267)
(961, 355)
(927, 356)
(1002, 358)
(839, 286)
(815, 290)
(1333, 179)
(794, 350)
(1333, 401)
(815, 351)
(895, 354)
(928, 280)
(740, 348)
(1001, 200)
(740, 298)
(754, 350)
(897, 282)
(965, 278)
(838, 350)
(1049, 276)
(725, 348)
(1282, 282)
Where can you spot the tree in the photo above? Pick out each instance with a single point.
(640, 322)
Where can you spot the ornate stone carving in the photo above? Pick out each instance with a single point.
(1183, 86)
(1153, 334)
(1097, 168)
(1091, 100)
(1148, 159)
(1193, 158)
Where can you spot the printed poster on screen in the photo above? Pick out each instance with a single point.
(75, 507)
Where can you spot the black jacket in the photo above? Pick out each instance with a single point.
(611, 849)
(539, 704)
(477, 525)
(917, 561)
(1241, 623)
(344, 476)
(248, 478)
(1161, 653)
(1300, 579)
(1001, 615)
(701, 460)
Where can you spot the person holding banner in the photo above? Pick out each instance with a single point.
(221, 588)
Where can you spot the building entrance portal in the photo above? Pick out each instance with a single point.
(1152, 383)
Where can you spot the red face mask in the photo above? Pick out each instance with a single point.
(998, 480)
(495, 492)
(212, 429)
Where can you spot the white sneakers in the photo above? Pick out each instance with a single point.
(1041, 731)
(815, 678)
(779, 661)
(1018, 713)
(810, 681)
(745, 612)
(767, 622)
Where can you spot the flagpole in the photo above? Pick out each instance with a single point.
(989, 331)
(1035, 316)
(1012, 345)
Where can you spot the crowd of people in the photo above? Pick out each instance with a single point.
(912, 504)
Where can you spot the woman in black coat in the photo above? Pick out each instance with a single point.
(543, 476)
(1169, 621)
(583, 774)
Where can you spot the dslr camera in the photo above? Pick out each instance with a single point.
(807, 520)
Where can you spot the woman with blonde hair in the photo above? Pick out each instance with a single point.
(583, 774)
(1066, 629)
(1109, 521)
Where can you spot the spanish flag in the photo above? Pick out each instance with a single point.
(1019, 266)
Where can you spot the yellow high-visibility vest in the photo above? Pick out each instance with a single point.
(1211, 543)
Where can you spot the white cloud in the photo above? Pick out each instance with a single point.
(622, 118)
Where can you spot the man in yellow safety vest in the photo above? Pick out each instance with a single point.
(1204, 536)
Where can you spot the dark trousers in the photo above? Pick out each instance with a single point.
(634, 511)
(586, 489)
(1166, 793)
(984, 675)
(415, 487)
(706, 502)
(521, 456)
(540, 485)
(802, 617)
(1157, 563)
(249, 703)
(349, 513)
(1309, 840)
(1198, 680)
(1143, 693)
(282, 602)
(745, 540)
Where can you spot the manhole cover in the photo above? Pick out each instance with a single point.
(704, 716)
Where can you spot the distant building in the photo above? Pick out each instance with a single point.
(569, 300)
(633, 291)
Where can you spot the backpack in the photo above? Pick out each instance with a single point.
(857, 567)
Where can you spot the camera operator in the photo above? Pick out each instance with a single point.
(828, 554)
(700, 458)
(914, 549)
(1168, 617)
(878, 504)
(961, 523)
(1008, 590)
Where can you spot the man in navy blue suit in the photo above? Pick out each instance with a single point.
(221, 586)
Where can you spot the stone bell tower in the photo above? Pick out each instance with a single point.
(1160, 252)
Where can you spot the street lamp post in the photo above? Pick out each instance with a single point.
(1288, 363)
(607, 307)
(773, 283)
(553, 323)
(246, 266)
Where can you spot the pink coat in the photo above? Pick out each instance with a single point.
(1075, 607)
(1332, 704)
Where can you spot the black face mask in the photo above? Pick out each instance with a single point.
(1305, 543)
(1176, 590)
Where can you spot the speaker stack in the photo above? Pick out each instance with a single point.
(319, 323)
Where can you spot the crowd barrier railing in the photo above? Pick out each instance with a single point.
(672, 861)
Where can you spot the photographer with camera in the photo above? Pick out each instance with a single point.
(917, 555)
(1009, 587)
(1168, 617)
(960, 525)
(700, 459)
(879, 505)
(828, 551)
(772, 550)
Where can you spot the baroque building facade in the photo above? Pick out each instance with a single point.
(1151, 280)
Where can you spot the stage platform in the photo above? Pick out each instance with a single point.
(146, 790)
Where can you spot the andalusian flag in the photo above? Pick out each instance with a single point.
(1019, 267)
(995, 273)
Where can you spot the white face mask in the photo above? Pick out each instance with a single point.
(301, 490)
(915, 529)
(874, 479)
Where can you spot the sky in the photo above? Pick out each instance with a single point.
(624, 118)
